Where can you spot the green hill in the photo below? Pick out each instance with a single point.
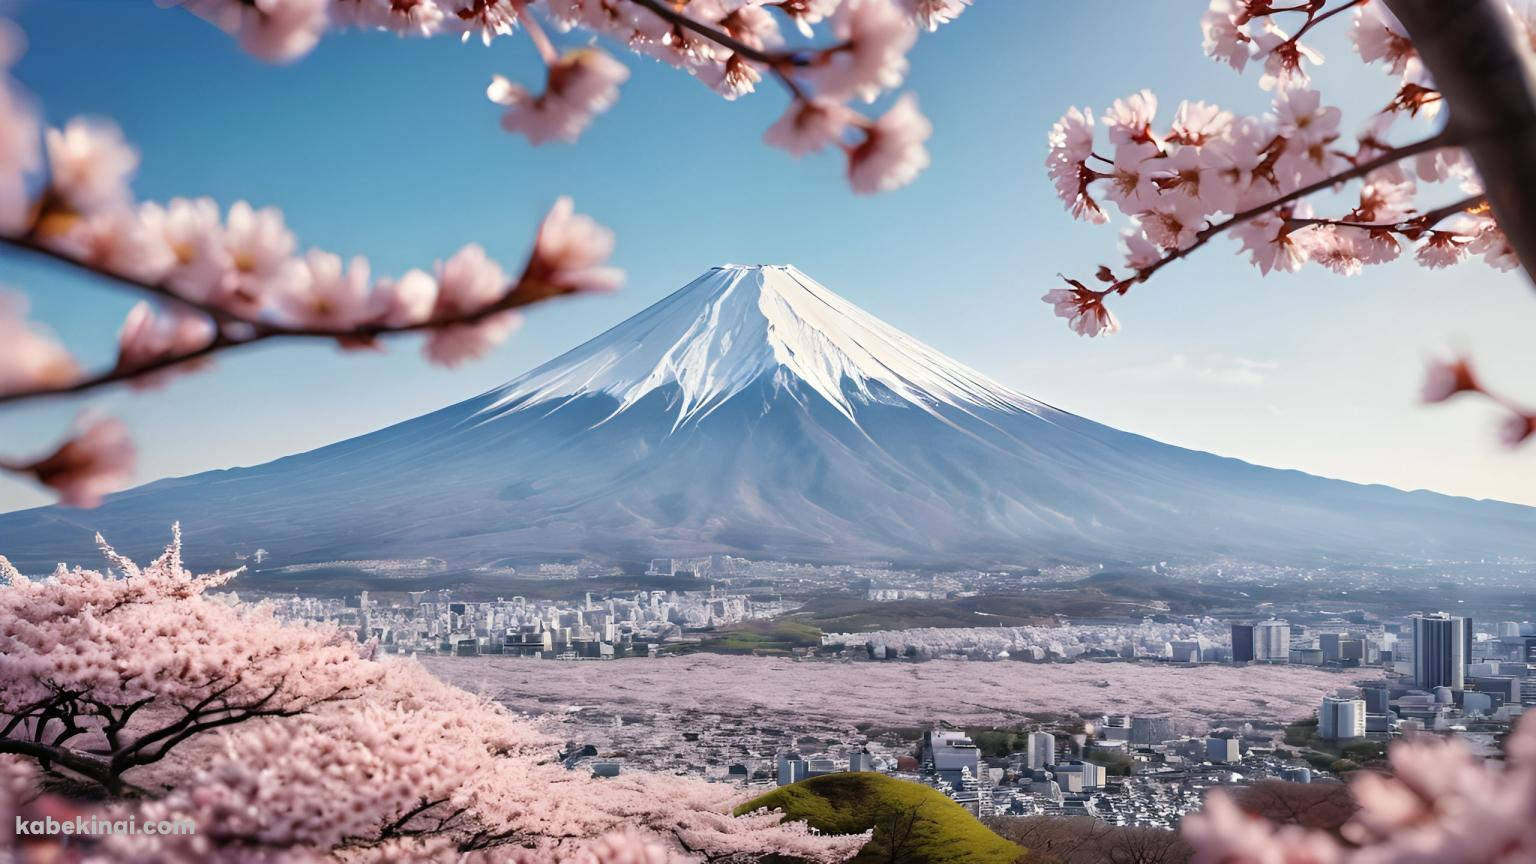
(913, 824)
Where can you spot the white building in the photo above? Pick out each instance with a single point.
(1040, 750)
(1341, 719)
(1272, 641)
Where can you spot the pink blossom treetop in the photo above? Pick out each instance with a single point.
(287, 742)
(1456, 188)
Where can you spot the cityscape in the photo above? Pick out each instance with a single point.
(1374, 680)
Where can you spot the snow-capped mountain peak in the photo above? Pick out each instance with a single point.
(736, 325)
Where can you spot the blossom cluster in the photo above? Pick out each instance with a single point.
(1439, 803)
(1210, 170)
(729, 45)
(218, 278)
(291, 742)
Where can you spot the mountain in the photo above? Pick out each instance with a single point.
(755, 412)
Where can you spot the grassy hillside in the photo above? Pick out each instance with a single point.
(777, 636)
(913, 824)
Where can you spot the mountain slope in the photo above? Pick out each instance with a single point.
(755, 412)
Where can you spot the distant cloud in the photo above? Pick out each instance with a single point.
(1216, 368)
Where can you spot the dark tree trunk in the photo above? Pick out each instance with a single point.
(1485, 78)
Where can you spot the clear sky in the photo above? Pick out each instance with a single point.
(389, 148)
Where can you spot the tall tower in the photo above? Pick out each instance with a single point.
(1440, 644)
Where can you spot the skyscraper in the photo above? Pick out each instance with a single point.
(1242, 643)
(1272, 641)
(1440, 648)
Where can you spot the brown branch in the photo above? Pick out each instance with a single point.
(1412, 227)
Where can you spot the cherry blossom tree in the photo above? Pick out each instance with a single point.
(1440, 174)
(135, 692)
(218, 279)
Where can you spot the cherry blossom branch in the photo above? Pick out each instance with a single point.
(776, 62)
(536, 284)
(1443, 138)
(1411, 228)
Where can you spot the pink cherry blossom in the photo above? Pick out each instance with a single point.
(873, 38)
(1270, 246)
(1489, 241)
(568, 255)
(808, 126)
(1133, 176)
(259, 247)
(929, 14)
(193, 232)
(98, 459)
(90, 165)
(1226, 40)
(456, 343)
(1283, 57)
(1140, 251)
(1304, 120)
(1198, 123)
(1129, 120)
(808, 13)
(1173, 222)
(326, 294)
(403, 302)
(468, 282)
(277, 31)
(1442, 249)
(1445, 378)
(892, 153)
(403, 17)
(491, 18)
(1071, 137)
(31, 358)
(1084, 310)
(1516, 429)
(147, 337)
(581, 85)
(1378, 36)
(114, 240)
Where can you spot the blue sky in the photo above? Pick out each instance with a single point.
(389, 148)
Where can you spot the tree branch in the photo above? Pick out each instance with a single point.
(1486, 80)
(1443, 138)
(778, 63)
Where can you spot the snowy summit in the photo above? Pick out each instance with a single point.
(737, 324)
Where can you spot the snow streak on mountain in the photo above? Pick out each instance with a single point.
(755, 412)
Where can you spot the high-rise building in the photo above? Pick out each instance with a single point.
(1329, 642)
(1242, 643)
(1509, 628)
(1272, 641)
(1441, 645)
(1341, 719)
(1377, 700)
(1040, 750)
